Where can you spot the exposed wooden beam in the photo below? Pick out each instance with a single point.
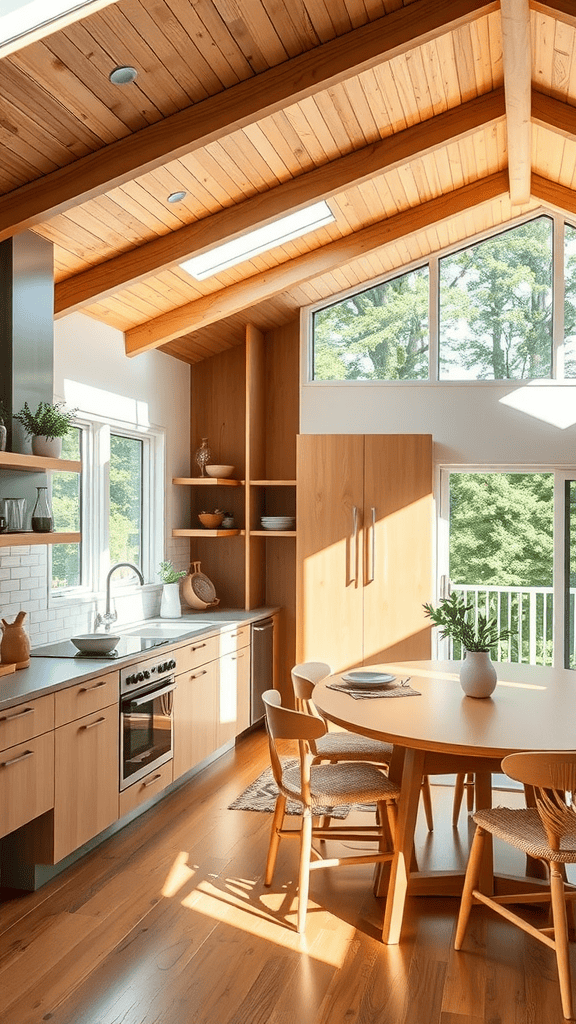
(233, 109)
(517, 60)
(554, 114)
(54, 25)
(557, 197)
(237, 297)
(151, 258)
(560, 10)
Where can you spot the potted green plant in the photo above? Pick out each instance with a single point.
(170, 607)
(47, 426)
(477, 635)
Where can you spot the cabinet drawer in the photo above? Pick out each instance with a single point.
(201, 651)
(86, 697)
(26, 782)
(26, 720)
(233, 639)
(144, 790)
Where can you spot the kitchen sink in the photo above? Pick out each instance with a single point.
(166, 630)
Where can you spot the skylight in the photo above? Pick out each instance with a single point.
(253, 242)
(23, 17)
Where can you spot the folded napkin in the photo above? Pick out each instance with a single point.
(400, 690)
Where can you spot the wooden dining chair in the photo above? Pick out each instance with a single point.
(546, 832)
(322, 785)
(343, 745)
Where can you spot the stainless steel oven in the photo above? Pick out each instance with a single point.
(146, 718)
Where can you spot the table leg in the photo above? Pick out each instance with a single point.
(483, 798)
(404, 845)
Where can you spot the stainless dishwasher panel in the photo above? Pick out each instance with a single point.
(262, 666)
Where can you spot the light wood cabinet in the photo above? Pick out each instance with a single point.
(26, 781)
(233, 695)
(195, 717)
(145, 789)
(86, 772)
(88, 696)
(364, 547)
(26, 720)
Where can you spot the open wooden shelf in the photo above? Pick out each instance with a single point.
(36, 463)
(10, 540)
(273, 483)
(272, 533)
(207, 533)
(206, 481)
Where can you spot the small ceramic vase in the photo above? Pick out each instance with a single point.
(477, 674)
(15, 644)
(170, 607)
(50, 447)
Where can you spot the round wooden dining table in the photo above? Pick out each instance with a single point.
(440, 730)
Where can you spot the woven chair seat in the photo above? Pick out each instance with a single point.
(354, 747)
(523, 829)
(344, 783)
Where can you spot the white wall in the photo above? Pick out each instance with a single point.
(92, 372)
(482, 423)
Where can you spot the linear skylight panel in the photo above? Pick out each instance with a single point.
(294, 225)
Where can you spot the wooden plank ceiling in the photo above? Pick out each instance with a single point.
(420, 123)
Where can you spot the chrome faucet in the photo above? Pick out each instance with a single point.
(109, 616)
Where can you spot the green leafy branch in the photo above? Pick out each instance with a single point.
(453, 618)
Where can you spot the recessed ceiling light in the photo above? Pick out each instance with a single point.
(253, 242)
(122, 75)
(176, 197)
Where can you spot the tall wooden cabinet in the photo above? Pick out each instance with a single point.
(364, 547)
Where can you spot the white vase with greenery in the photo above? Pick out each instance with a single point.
(477, 637)
(170, 607)
(47, 426)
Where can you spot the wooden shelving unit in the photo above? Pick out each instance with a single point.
(207, 533)
(37, 464)
(202, 481)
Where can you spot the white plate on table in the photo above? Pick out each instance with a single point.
(363, 678)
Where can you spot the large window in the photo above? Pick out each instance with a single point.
(116, 503)
(500, 309)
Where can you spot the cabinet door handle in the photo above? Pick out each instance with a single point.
(198, 647)
(197, 675)
(236, 657)
(150, 782)
(90, 725)
(86, 689)
(15, 760)
(372, 566)
(19, 714)
(354, 546)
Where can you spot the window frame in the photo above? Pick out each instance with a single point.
(95, 506)
(432, 261)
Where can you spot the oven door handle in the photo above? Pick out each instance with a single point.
(152, 694)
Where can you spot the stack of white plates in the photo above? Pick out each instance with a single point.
(278, 522)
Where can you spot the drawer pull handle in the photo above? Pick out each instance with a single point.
(196, 675)
(19, 714)
(150, 782)
(15, 760)
(236, 657)
(198, 647)
(86, 689)
(90, 725)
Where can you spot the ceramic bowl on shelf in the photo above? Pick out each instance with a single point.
(211, 520)
(220, 472)
(95, 643)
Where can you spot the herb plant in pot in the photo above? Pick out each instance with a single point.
(455, 620)
(170, 607)
(47, 426)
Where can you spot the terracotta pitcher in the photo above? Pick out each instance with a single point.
(15, 644)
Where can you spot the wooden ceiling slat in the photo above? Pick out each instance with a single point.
(150, 334)
(205, 122)
(205, 26)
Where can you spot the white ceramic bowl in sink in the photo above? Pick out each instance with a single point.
(95, 643)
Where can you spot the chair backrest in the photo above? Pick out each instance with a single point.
(285, 724)
(304, 679)
(552, 774)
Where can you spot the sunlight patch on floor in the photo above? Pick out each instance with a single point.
(178, 875)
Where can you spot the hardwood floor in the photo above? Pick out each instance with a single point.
(169, 923)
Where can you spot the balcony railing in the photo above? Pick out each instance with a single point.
(528, 611)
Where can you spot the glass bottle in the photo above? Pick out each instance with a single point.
(42, 513)
(203, 455)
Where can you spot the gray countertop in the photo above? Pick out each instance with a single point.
(46, 675)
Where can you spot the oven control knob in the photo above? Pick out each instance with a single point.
(140, 677)
(129, 680)
(146, 674)
(162, 666)
(172, 664)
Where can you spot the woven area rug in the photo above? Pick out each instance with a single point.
(261, 796)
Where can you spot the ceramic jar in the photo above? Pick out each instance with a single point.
(170, 607)
(15, 643)
(477, 674)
